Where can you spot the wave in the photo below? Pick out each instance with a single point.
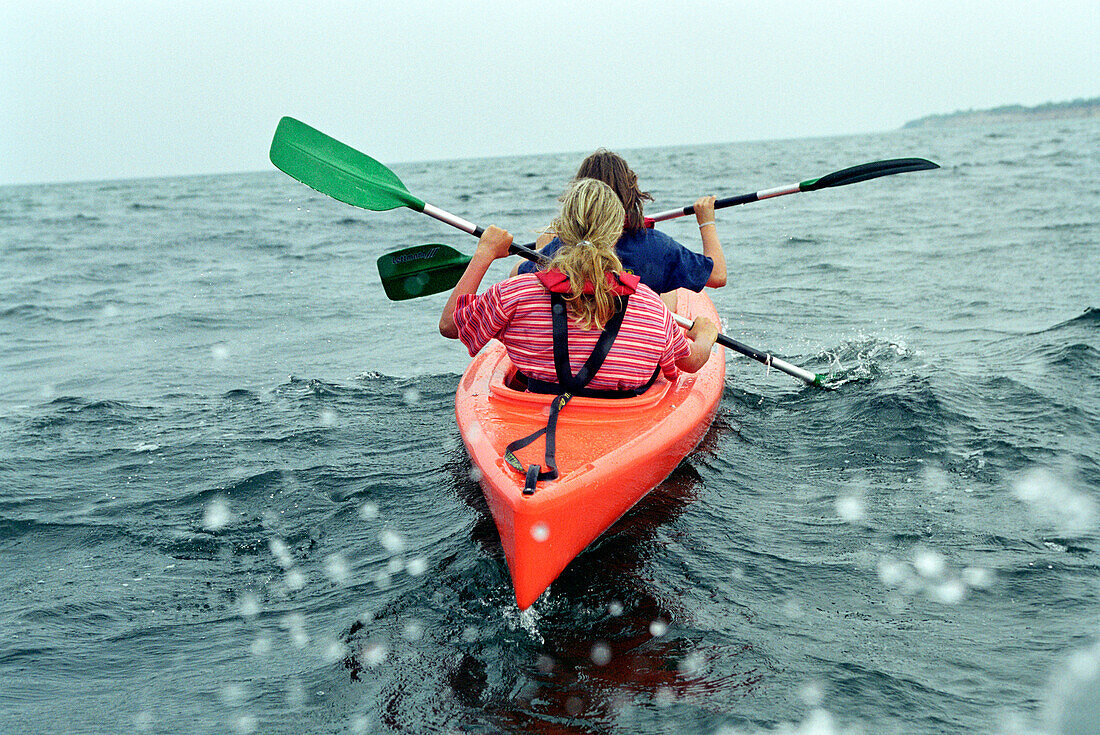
(1090, 317)
(23, 311)
(84, 220)
(1077, 357)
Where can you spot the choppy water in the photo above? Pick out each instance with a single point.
(233, 498)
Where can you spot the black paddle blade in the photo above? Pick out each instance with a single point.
(866, 171)
(421, 270)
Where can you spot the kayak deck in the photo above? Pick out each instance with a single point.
(610, 453)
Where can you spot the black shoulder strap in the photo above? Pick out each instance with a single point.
(567, 381)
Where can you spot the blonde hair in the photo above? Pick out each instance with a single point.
(589, 225)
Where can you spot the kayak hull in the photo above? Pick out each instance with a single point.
(610, 454)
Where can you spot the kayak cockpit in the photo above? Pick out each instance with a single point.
(507, 386)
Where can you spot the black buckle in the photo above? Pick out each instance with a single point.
(531, 479)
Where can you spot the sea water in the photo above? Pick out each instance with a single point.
(233, 497)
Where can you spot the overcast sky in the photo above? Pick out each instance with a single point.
(113, 89)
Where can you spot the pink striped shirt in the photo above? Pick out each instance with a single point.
(517, 312)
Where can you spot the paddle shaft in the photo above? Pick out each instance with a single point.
(727, 202)
(453, 220)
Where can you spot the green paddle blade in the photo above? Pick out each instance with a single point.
(341, 172)
(421, 270)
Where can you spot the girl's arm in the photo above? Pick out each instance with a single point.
(704, 216)
(703, 334)
(493, 244)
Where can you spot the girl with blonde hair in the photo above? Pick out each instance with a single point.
(584, 296)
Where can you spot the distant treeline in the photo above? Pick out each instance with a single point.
(1051, 110)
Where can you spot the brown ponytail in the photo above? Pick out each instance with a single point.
(611, 169)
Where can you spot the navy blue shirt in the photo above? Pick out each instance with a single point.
(662, 263)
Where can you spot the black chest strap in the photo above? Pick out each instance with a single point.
(569, 385)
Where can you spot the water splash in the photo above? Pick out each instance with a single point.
(863, 359)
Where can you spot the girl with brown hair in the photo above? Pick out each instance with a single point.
(662, 263)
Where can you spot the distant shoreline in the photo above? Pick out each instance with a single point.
(1079, 108)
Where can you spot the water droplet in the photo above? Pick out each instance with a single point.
(110, 311)
(475, 473)
(540, 532)
(413, 631)
(793, 609)
(658, 628)
(333, 652)
(812, 693)
(1055, 502)
(294, 580)
(849, 508)
(411, 397)
(545, 664)
(977, 577)
(144, 721)
(416, 566)
(244, 724)
(296, 695)
(928, 563)
(368, 511)
(893, 573)
(261, 646)
(693, 665)
(574, 706)
(374, 654)
(615, 608)
(327, 417)
(1074, 707)
(281, 552)
(601, 654)
(216, 514)
(337, 568)
(949, 592)
(295, 624)
(249, 606)
(391, 541)
(233, 695)
(220, 352)
(470, 634)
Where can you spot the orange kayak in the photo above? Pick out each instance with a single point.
(610, 453)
